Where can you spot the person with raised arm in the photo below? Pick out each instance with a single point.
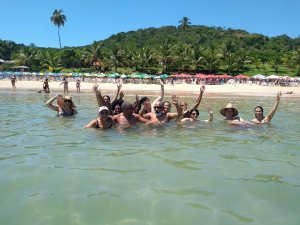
(159, 117)
(195, 115)
(66, 85)
(259, 112)
(64, 107)
(184, 106)
(105, 99)
(145, 101)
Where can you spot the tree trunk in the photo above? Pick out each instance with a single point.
(59, 38)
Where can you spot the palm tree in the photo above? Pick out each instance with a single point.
(184, 23)
(58, 19)
(296, 61)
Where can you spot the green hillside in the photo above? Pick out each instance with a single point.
(169, 49)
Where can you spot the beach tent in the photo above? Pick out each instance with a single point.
(259, 76)
(271, 77)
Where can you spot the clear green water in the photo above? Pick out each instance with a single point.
(52, 171)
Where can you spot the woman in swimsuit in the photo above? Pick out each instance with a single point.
(64, 107)
(104, 121)
(259, 112)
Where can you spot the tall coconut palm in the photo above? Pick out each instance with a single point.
(58, 19)
(184, 23)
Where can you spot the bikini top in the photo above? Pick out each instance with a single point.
(97, 125)
(64, 113)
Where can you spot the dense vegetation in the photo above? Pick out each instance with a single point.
(187, 48)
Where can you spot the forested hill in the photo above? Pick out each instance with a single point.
(168, 49)
(202, 35)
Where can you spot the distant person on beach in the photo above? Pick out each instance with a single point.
(13, 80)
(159, 117)
(259, 112)
(104, 121)
(78, 85)
(195, 115)
(64, 107)
(184, 106)
(66, 85)
(128, 118)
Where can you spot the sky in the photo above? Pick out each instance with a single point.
(28, 21)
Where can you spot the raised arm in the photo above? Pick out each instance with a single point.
(162, 94)
(202, 89)
(211, 117)
(119, 86)
(273, 110)
(99, 97)
(179, 113)
(50, 101)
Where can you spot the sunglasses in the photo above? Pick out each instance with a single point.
(157, 107)
(103, 113)
(67, 101)
(195, 114)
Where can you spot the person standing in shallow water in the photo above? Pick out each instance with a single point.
(78, 85)
(104, 121)
(64, 107)
(13, 80)
(66, 85)
(259, 112)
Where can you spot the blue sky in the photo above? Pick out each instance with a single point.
(28, 21)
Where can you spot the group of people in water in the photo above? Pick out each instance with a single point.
(120, 113)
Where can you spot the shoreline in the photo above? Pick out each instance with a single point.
(182, 89)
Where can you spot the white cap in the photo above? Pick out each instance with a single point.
(103, 108)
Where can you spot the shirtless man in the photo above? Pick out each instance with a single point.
(145, 101)
(159, 117)
(127, 118)
(259, 112)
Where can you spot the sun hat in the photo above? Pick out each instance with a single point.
(60, 101)
(101, 108)
(229, 106)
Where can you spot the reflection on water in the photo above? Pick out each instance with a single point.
(55, 172)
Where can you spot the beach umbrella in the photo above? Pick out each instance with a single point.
(241, 76)
(163, 76)
(224, 76)
(123, 76)
(200, 76)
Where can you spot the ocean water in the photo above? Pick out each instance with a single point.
(52, 171)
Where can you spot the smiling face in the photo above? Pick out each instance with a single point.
(67, 103)
(258, 111)
(117, 109)
(194, 115)
(158, 108)
(167, 107)
(106, 99)
(229, 113)
(183, 106)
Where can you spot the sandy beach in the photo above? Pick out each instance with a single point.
(182, 89)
